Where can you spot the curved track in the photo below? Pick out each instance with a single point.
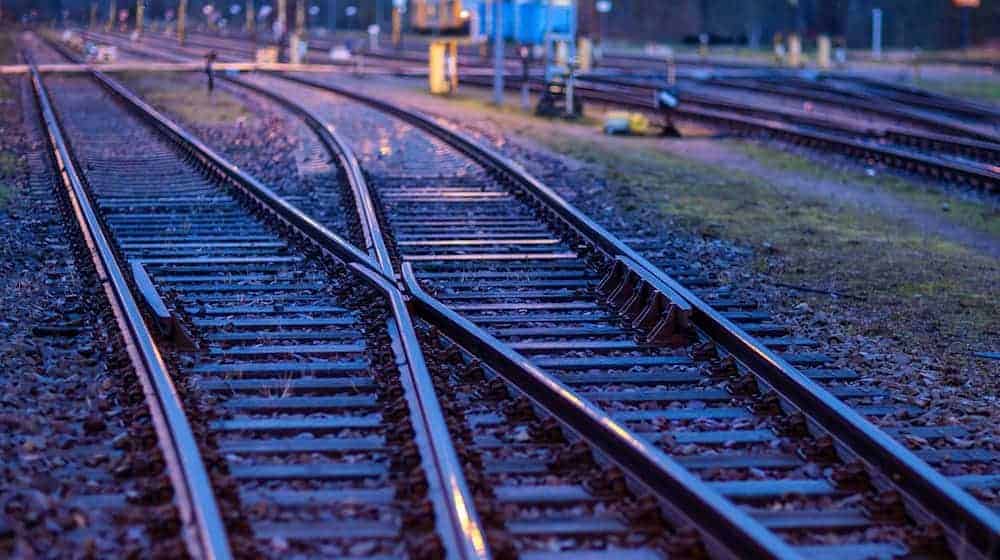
(649, 373)
(315, 425)
(939, 146)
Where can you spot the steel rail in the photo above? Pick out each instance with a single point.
(205, 532)
(461, 529)
(957, 144)
(725, 526)
(861, 102)
(720, 520)
(967, 522)
(373, 238)
(985, 176)
(698, 504)
(916, 96)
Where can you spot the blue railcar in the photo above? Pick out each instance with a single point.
(524, 21)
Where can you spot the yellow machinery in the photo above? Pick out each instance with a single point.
(823, 51)
(449, 23)
(585, 54)
(140, 12)
(794, 51)
(397, 26)
(439, 17)
(443, 70)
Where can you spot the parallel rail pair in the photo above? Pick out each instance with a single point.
(916, 479)
(982, 171)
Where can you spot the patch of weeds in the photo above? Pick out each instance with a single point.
(188, 98)
(9, 164)
(952, 206)
(981, 89)
(935, 291)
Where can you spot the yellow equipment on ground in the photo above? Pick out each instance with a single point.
(585, 54)
(624, 122)
(823, 51)
(443, 66)
(794, 59)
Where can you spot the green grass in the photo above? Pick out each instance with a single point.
(936, 290)
(189, 98)
(9, 163)
(979, 89)
(975, 215)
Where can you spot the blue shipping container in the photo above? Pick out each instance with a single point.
(524, 20)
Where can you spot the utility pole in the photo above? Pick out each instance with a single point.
(282, 19)
(300, 18)
(251, 18)
(965, 8)
(498, 52)
(140, 12)
(965, 26)
(93, 15)
(546, 39)
(877, 34)
(182, 10)
(112, 13)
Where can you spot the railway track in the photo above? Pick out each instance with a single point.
(568, 302)
(317, 415)
(947, 150)
(942, 114)
(947, 157)
(551, 293)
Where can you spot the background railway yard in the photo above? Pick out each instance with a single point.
(320, 312)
